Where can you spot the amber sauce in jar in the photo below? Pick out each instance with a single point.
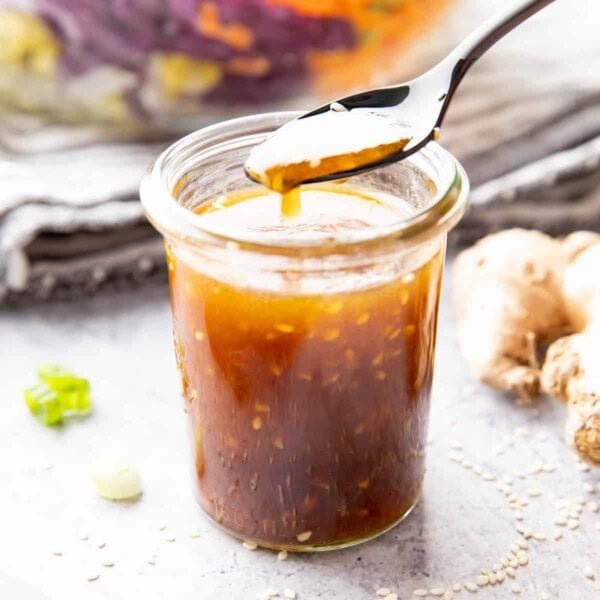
(308, 403)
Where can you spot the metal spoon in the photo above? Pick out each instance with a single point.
(357, 133)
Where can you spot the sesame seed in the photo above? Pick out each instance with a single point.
(557, 535)
(477, 470)
(256, 423)
(493, 579)
(456, 456)
(199, 335)
(456, 587)
(436, 592)
(331, 334)
(470, 586)
(151, 562)
(562, 521)
(420, 592)
(540, 537)
(250, 545)
(572, 524)
(488, 477)
(534, 492)
(170, 540)
(548, 468)
(482, 580)
(535, 468)
(511, 572)
(304, 536)
(362, 319)
(383, 591)
(57, 553)
(93, 577)
(522, 544)
(289, 593)
(284, 327)
(518, 515)
(593, 506)
(500, 576)
(514, 563)
(467, 464)
(583, 468)
(108, 564)
(282, 555)
(448, 595)
(523, 559)
(589, 572)
(544, 596)
(516, 588)
(579, 500)
(504, 561)
(392, 596)
(589, 488)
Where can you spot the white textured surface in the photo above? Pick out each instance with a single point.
(122, 343)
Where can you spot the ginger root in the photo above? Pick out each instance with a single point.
(517, 291)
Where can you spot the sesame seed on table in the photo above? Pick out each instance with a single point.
(506, 508)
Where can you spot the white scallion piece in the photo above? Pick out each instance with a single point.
(116, 479)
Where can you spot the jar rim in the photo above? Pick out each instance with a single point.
(177, 222)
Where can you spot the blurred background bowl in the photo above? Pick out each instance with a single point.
(175, 65)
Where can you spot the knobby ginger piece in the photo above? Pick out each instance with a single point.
(518, 290)
(508, 297)
(571, 369)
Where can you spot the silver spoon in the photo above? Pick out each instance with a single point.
(377, 127)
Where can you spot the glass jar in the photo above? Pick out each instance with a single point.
(174, 66)
(306, 365)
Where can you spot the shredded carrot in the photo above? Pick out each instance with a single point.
(383, 36)
(208, 23)
(256, 66)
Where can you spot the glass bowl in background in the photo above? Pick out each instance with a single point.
(173, 65)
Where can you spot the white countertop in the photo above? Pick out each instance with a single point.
(122, 343)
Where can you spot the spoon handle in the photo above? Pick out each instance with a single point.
(495, 28)
(460, 60)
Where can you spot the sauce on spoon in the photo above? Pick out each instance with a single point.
(308, 149)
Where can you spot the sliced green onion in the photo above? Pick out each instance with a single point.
(44, 404)
(59, 393)
(60, 379)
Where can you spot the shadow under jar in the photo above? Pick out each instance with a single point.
(305, 346)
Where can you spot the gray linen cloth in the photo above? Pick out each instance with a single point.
(526, 125)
